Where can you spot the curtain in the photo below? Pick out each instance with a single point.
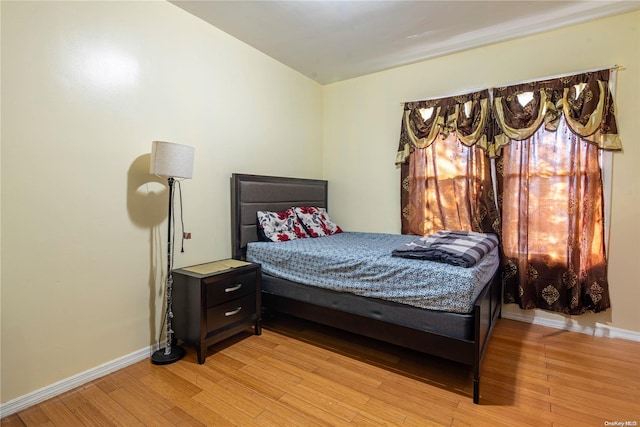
(584, 100)
(546, 137)
(445, 173)
(550, 191)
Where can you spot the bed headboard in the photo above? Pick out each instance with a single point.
(253, 193)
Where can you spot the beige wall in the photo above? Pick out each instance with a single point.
(362, 125)
(86, 87)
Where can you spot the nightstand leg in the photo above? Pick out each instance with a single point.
(202, 354)
(258, 327)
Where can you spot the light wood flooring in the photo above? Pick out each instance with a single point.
(300, 374)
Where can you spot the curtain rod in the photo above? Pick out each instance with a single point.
(556, 76)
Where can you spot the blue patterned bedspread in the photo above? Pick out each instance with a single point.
(361, 263)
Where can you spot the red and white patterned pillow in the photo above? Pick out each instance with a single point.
(281, 226)
(316, 221)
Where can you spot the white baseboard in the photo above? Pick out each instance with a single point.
(599, 330)
(45, 393)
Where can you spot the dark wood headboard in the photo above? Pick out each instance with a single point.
(253, 193)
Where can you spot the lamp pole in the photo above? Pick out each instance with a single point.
(169, 354)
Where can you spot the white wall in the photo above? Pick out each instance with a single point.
(86, 87)
(362, 128)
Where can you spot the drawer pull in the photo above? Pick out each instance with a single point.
(233, 289)
(233, 312)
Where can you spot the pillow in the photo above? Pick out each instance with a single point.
(280, 226)
(316, 221)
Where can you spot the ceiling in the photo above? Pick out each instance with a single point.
(329, 41)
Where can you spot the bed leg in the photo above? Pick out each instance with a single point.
(476, 390)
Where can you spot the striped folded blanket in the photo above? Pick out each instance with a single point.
(460, 248)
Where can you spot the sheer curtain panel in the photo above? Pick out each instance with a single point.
(445, 173)
(548, 134)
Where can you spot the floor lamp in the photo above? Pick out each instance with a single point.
(170, 161)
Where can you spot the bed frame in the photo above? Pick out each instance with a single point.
(251, 193)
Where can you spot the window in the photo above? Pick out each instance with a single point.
(446, 175)
(547, 140)
(549, 175)
(552, 222)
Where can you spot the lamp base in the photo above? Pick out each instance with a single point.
(159, 358)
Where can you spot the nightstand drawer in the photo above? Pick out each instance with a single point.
(237, 286)
(231, 312)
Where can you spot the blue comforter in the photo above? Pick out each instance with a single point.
(361, 263)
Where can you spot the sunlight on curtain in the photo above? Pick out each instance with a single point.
(445, 173)
(545, 138)
(553, 223)
(550, 186)
(446, 180)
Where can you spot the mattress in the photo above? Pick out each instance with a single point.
(454, 325)
(361, 264)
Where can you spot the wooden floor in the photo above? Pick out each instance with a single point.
(300, 374)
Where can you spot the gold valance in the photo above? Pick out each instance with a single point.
(424, 122)
(584, 100)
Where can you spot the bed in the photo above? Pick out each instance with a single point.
(458, 336)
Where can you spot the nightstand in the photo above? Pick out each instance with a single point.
(214, 301)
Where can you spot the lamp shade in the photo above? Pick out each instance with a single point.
(171, 160)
